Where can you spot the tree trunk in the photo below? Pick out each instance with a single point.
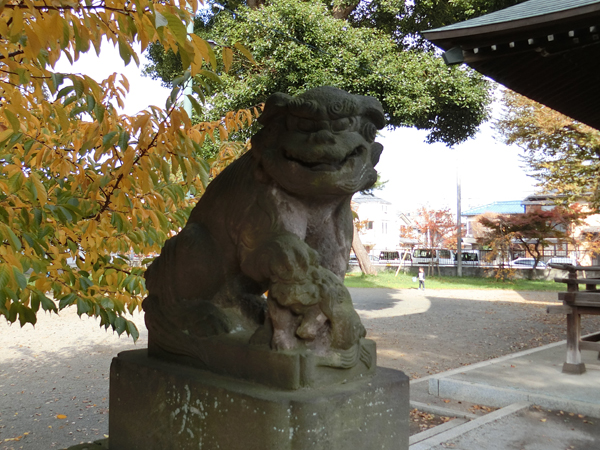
(254, 4)
(343, 10)
(361, 254)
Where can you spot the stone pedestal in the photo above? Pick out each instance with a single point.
(157, 405)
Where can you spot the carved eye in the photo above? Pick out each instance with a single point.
(306, 125)
(336, 108)
(340, 124)
(369, 131)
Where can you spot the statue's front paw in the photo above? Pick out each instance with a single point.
(283, 340)
(313, 321)
(284, 326)
(290, 260)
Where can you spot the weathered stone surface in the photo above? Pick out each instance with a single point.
(277, 220)
(155, 405)
(284, 369)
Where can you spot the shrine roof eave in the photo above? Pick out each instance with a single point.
(551, 58)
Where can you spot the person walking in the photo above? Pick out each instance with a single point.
(421, 278)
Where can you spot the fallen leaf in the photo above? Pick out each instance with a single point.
(61, 416)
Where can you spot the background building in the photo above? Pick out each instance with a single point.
(378, 223)
(473, 229)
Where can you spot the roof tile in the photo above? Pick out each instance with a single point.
(532, 8)
(506, 207)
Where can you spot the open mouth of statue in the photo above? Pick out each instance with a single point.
(327, 165)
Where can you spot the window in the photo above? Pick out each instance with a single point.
(444, 254)
(389, 255)
(369, 225)
(422, 253)
(384, 227)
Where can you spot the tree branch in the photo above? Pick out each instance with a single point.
(12, 54)
(342, 9)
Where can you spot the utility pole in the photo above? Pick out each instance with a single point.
(458, 223)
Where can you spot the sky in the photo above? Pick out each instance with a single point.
(417, 174)
(143, 90)
(420, 174)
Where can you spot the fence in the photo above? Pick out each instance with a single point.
(485, 259)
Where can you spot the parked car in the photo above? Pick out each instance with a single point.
(395, 257)
(439, 256)
(353, 261)
(526, 263)
(406, 257)
(389, 256)
(469, 257)
(562, 260)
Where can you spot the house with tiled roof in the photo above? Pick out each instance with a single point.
(586, 235)
(470, 216)
(506, 207)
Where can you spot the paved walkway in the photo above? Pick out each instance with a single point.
(542, 408)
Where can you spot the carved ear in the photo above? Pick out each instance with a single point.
(374, 111)
(376, 149)
(275, 105)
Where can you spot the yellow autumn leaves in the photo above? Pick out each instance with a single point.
(82, 187)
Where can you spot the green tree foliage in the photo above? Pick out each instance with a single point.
(357, 46)
(422, 15)
(81, 186)
(562, 154)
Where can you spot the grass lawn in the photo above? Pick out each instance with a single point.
(404, 281)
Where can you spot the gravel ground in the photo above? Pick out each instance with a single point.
(58, 369)
(54, 378)
(422, 333)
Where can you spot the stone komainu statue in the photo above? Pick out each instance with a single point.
(276, 221)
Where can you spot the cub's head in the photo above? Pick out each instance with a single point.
(321, 142)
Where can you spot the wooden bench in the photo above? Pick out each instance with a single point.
(576, 303)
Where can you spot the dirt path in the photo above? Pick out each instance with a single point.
(428, 332)
(54, 378)
(58, 369)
